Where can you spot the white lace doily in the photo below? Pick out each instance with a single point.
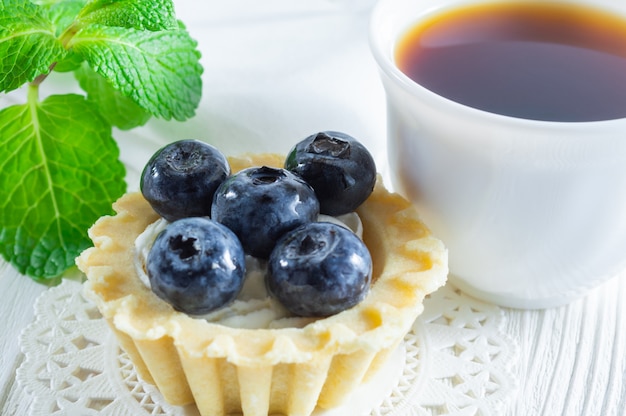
(455, 361)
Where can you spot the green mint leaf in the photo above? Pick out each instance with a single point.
(160, 71)
(153, 15)
(60, 172)
(119, 110)
(28, 45)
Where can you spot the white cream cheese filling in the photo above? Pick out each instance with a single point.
(253, 308)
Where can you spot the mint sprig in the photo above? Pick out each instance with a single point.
(59, 161)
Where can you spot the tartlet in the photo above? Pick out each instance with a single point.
(288, 371)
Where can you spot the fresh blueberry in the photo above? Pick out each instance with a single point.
(319, 269)
(197, 265)
(339, 168)
(260, 204)
(180, 179)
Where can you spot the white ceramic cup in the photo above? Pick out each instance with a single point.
(533, 212)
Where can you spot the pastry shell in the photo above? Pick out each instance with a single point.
(257, 372)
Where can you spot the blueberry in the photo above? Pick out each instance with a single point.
(319, 269)
(339, 168)
(197, 265)
(180, 179)
(260, 204)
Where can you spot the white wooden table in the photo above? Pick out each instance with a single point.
(278, 70)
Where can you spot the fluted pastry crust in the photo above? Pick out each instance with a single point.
(263, 371)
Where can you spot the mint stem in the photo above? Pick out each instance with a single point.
(37, 81)
(33, 90)
(69, 33)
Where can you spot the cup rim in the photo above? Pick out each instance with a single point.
(383, 55)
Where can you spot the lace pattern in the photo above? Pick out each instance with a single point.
(455, 360)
